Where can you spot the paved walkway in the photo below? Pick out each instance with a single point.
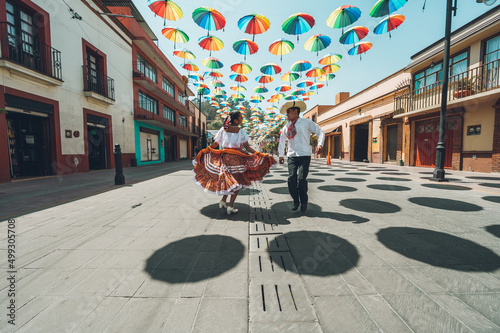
(380, 249)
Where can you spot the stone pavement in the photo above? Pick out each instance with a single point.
(380, 249)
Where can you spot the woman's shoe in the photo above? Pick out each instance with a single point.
(222, 205)
(231, 210)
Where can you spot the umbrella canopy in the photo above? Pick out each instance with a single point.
(238, 78)
(185, 54)
(214, 74)
(209, 18)
(280, 47)
(260, 89)
(256, 108)
(212, 63)
(241, 68)
(270, 69)
(290, 76)
(326, 78)
(264, 79)
(283, 88)
(290, 98)
(238, 88)
(317, 86)
(210, 43)
(175, 35)
(330, 59)
(238, 97)
(297, 24)
(300, 66)
(297, 92)
(353, 35)
(331, 68)
(195, 76)
(386, 7)
(203, 91)
(224, 103)
(388, 24)
(343, 16)
(305, 83)
(245, 47)
(360, 48)
(167, 9)
(317, 43)
(258, 97)
(315, 72)
(200, 84)
(217, 83)
(189, 66)
(309, 93)
(254, 24)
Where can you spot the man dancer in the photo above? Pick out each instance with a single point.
(298, 132)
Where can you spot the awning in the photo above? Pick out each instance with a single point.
(337, 129)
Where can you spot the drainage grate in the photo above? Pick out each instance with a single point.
(261, 228)
(279, 301)
(268, 242)
(275, 265)
(265, 215)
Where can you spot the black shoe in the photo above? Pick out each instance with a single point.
(295, 206)
(303, 207)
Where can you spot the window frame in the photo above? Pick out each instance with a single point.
(147, 69)
(166, 83)
(166, 110)
(484, 44)
(182, 120)
(149, 99)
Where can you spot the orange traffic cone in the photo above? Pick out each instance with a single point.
(328, 160)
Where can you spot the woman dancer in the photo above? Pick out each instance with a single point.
(228, 170)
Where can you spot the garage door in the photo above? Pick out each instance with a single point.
(184, 148)
(426, 140)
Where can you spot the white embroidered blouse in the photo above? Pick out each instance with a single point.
(231, 140)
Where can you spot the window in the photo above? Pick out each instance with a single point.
(183, 120)
(169, 114)
(146, 68)
(432, 76)
(492, 50)
(147, 102)
(181, 98)
(168, 86)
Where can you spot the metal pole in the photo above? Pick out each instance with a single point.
(119, 177)
(439, 173)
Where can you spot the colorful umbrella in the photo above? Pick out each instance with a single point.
(360, 48)
(264, 79)
(224, 103)
(270, 69)
(278, 96)
(217, 83)
(353, 35)
(297, 92)
(258, 97)
(290, 98)
(203, 91)
(200, 84)
(298, 24)
(238, 78)
(189, 66)
(260, 89)
(195, 76)
(315, 72)
(209, 18)
(281, 47)
(290, 76)
(317, 43)
(343, 16)
(212, 63)
(214, 74)
(326, 77)
(241, 68)
(300, 66)
(388, 24)
(254, 24)
(175, 35)
(283, 88)
(386, 7)
(273, 100)
(167, 9)
(245, 47)
(305, 83)
(185, 54)
(330, 59)
(309, 93)
(331, 68)
(237, 97)
(317, 86)
(256, 108)
(238, 88)
(210, 43)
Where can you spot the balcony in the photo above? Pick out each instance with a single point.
(476, 83)
(24, 56)
(97, 86)
(142, 113)
(139, 68)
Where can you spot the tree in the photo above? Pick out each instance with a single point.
(215, 125)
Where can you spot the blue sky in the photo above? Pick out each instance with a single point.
(420, 29)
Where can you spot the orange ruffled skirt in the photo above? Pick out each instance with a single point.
(226, 171)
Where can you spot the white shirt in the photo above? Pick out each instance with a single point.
(300, 145)
(231, 140)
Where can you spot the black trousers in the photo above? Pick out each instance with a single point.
(298, 168)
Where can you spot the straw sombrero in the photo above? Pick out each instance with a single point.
(300, 104)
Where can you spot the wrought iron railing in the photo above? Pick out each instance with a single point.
(99, 83)
(471, 82)
(29, 52)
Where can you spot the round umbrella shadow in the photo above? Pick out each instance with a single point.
(370, 206)
(337, 188)
(284, 213)
(439, 249)
(446, 204)
(194, 259)
(279, 190)
(492, 198)
(494, 230)
(317, 253)
(273, 181)
(214, 212)
(315, 180)
(249, 191)
(383, 187)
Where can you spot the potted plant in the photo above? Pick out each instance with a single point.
(464, 87)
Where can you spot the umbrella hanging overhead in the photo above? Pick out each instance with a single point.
(290, 76)
(175, 35)
(189, 66)
(195, 77)
(238, 78)
(317, 43)
(256, 108)
(185, 54)
(315, 72)
(305, 83)
(210, 43)
(343, 16)
(283, 88)
(360, 48)
(217, 83)
(245, 47)
(326, 78)
(270, 69)
(209, 18)
(212, 63)
(203, 91)
(214, 74)
(386, 7)
(297, 92)
(331, 68)
(300, 66)
(388, 24)
(297, 24)
(224, 104)
(330, 59)
(353, 35)
(280, 47)
(238, 88)
(317, 86)
(241, 68)
(260, 89)
(254, 24)
(167, 9)
(264, 78)
(290, 98)
(200, 84)
(278, 96)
